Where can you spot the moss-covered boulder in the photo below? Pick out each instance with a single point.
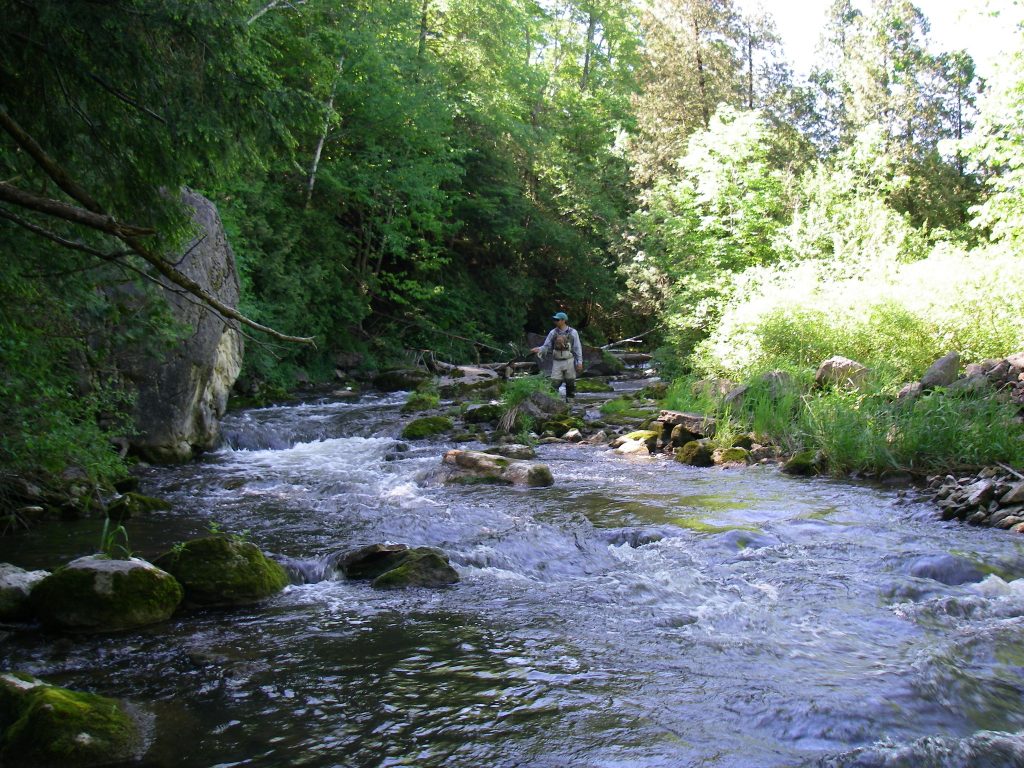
(223, 571)
(655, 391)
(587, 386)
(45, 726)
(397, 379)
(481, 414)
(392, 566)
(98, 594)
(513, 451)
(130, 504)
(802, 463)
(733, 455)
(695, 453)
(559, 427)
(428, 426)
(16, 585)
(471, 467)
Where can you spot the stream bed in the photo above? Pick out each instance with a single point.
(639, 613)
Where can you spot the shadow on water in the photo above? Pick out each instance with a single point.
(638, 613)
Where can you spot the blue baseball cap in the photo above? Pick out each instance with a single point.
(560, 316)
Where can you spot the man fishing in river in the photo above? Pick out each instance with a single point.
(563, 344)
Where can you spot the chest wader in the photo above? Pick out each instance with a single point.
(561, 347)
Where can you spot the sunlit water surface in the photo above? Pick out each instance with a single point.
(639, 613)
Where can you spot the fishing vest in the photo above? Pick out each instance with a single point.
(561, 345)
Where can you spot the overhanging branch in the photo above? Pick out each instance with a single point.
(93, 215)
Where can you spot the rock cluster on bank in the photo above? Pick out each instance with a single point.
(992, 497)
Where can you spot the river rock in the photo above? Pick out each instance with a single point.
(942, 372)
(696, 424)
(840, 371)
(428, 426)
(696, 453)
(180, 397)
(731, 456)
(49, 727)
(1013, 496)
(946, 569)
(391, 566)
(481, 414)
(802, 463)
(713, 388)
(477, 466)
(401, 379)
(223, 571)
(99, 594)
(633, 447)
(15, 586)
(513, 451)
(466, 378)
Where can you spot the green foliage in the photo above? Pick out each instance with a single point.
(519, 389)
(114, 542)
(894, 318)
(934, 432)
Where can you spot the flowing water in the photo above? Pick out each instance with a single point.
(638, 613)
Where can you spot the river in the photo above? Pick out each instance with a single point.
(637, 614)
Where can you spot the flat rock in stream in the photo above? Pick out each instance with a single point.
(470, 467)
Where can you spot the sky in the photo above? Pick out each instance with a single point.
(955, 24)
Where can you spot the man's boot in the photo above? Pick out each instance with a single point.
(570, 394)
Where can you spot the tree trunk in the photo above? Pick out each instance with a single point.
(591, 32)
(702, 85)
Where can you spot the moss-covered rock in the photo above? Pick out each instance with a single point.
(98, 594)
(49, 727)
(420, 401)
(593, 385)
(802, 463)
(223, 571)
(513, 451)
(391, 566)
(656, 391)
(559, 427)
(423, 567)
(428, 426)
(695, 453)
(398, 379)
(481, 414)
(733, 455)
(479, 467)
(130, 504)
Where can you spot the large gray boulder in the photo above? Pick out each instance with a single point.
(15, 586)
(942, 372)
(181, 397)
(98, 594)
(839, 371)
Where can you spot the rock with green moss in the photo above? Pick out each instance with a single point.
(479, 467)
(49, 727)
(655, 391)
(559, 427)
(420, 401)
(393, 566)
(593, 386)
(481, 414)
(99, 594)
(696, 453)
(428, 426)
(513, 451)
(130, 504)
(733, 455)
(16, 585)
(397, 379)
(802, 463)
(223, 571)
